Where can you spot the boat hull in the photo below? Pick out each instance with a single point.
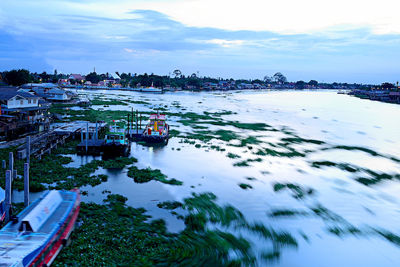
(50, 252)
(115, 149)
(155, 139)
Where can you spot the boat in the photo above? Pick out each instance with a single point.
(151, 89)
(38, 233)
(157, 130)
(116, 142)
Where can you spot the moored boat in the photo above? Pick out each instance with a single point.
(38, 233)
(116, 142)
(157, 130)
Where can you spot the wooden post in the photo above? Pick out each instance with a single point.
(81, 135)
(8, 195)
(128, 125)
(11, 163)
(87, 135)
(26, 184)
(3, 164)
(28, 149)
(97, 133)
(137, 122)
(14, 174)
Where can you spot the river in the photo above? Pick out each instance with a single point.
(326, 170)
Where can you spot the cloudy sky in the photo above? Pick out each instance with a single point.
(327, 40)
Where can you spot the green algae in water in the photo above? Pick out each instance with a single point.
(243, 163)
(148, 174)
(245, 186)
(117, 163)
(286, 213)
(298, 192)
(169, 205)
(233, 156)
(116, 234)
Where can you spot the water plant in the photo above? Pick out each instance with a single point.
(148, 174)
(298, 192)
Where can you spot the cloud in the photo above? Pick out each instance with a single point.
(81, 36)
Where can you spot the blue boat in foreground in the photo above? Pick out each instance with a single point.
(40, 231)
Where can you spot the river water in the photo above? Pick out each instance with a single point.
(361, 137)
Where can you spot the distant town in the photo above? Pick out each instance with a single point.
(174, 81)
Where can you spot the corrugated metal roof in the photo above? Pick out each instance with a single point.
(7, 93)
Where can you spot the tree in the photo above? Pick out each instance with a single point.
(313, 82)
(300, 84)
(17, 77)
(93, 77)
(177, 73)
(279, 78)
(387, 85)
(267, 79)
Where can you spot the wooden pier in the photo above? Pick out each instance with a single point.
(41, 145)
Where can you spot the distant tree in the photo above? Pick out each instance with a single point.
(193, 75)
(17, 77)
(267, 79)
(177, 73)
(387, 85)
(279, 78)
(313, 82)
(300, 84)
(93, 77)
(257, 81)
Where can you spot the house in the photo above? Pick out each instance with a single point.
(53, 95)
(76, 77)
(21, 112)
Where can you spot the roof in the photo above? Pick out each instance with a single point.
(114, 76)
(76, 77)
(41, 85)
(7, 93)
(56, 91)
(157, 117)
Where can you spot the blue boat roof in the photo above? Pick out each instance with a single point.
(19, 248)
(2, 194)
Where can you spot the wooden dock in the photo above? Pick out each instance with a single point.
(41, 145)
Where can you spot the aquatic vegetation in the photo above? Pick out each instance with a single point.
(117, 163)
(243, 163)
(148, 174)
(298, 192)
(342, 166)
(116, 234)
(286, 213)
(233, 156)
(169, 205)
(393, 238)
(299, 140)
(339, 231)
(98, 101)
(245, 186)
(374, 177)
(326, 214)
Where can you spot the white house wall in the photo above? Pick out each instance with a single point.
(17, 102)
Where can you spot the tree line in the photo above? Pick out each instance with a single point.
(175, 79)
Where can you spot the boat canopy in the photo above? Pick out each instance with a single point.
(41, 213)
(160, 117)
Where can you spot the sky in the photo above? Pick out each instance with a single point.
(326, 40)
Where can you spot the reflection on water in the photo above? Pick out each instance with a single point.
(325, 169)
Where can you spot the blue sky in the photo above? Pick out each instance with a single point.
(334, 41)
